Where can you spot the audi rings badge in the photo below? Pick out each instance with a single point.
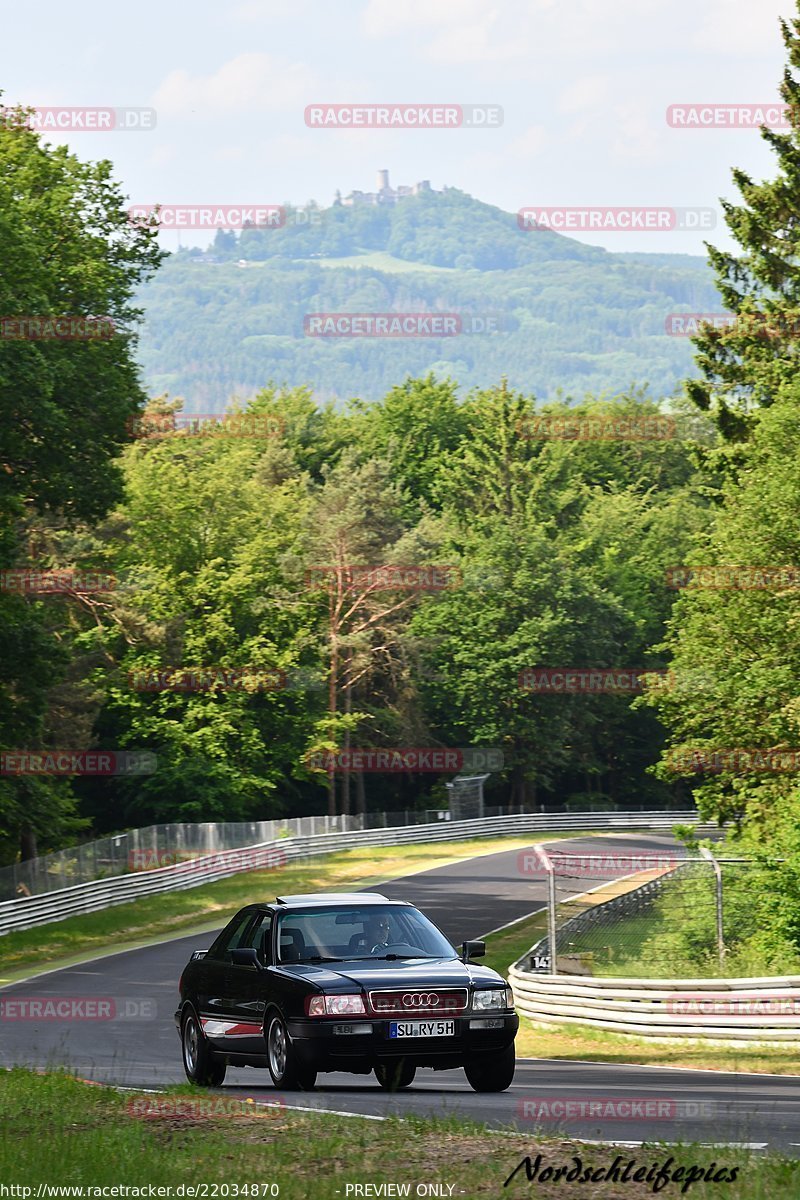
(438, 1000)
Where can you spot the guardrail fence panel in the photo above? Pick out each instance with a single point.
(146, 877)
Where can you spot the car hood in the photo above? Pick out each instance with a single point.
(411, 972)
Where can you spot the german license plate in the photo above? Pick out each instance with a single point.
(403, 1029)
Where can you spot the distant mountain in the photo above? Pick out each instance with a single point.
(548, 312)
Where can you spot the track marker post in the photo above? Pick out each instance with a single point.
(718, 873)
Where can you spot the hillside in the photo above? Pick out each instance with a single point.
(563, 315)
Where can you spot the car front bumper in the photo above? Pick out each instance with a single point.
(359, 1043)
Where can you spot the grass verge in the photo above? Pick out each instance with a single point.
(505, 947)
(58, 1131)
(580, 1042)
(156, 918)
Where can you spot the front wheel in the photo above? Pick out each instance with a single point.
(494, 1074)
(286, 1071)
(394, 1076)
(201, 1065)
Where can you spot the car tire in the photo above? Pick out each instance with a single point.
(393, 1077)
(493, 1074)
(287, 1072)
(201, 1065)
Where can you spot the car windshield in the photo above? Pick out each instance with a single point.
(373, 931)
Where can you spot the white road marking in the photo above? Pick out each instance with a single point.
(516, 921)
(334, 1112)
(588, 1062)
(706, 1145)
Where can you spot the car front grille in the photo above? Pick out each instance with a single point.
(411, 1002)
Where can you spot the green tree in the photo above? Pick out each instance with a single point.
(563, 547)
(356, 522)
(208, 531)
(736, 649)
(67, 249)
(416, 427)
(745, 364)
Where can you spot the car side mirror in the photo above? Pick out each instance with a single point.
(245, 956)
(474, 949)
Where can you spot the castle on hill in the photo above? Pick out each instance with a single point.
(385, 193)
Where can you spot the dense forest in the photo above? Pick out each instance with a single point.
(574, 318)
(256, 555)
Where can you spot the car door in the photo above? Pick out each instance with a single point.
(246, 989)
(216, 1013)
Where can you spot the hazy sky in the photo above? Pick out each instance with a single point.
(584, 85)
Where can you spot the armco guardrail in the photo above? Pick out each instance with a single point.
(161, 845)
(727, 1010)
(30, 911)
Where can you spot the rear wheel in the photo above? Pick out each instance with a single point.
(394, 1076)
(199, 1061)
(493, 1074)
(286, 1071)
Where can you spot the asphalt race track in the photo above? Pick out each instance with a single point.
(467, 900)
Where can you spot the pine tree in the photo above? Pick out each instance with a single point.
(745, 363)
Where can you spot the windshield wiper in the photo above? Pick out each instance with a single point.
(315, 958)
(393, 957)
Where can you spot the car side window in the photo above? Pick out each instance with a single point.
(260, 938)
(231, 938)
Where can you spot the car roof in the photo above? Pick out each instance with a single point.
(360, 898)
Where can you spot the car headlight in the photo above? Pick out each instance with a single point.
(335, 1006)
(487, 999)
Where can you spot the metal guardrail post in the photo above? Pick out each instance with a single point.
(718, 873)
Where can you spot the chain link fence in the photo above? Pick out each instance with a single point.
(466, 797)
(163, 845)
(654, 916)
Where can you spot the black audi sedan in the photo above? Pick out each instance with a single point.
(341, 982)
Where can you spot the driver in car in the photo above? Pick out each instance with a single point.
(379, 931)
